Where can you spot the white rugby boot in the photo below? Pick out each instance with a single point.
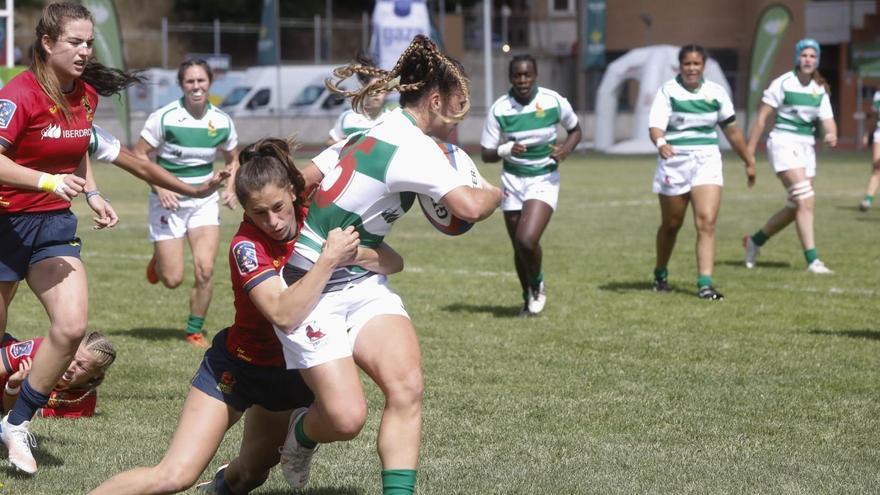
(752, 251)
(296, 460)
(19, 441)
(537, 299)
(819, 268)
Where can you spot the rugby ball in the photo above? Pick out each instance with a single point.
(437, 214)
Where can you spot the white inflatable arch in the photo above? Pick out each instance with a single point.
(651, 66)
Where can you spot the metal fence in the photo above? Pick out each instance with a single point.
(317, 40)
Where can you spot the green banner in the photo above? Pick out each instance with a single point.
(768, 35)
(108, 51)
(593, 55)
(267, 46)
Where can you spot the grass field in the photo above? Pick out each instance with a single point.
(614, 389)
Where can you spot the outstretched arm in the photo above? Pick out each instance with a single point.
(151, 172)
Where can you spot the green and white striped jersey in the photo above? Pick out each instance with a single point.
(187, 146)
(689, 118)
(798, 108)
(877, 109)
(351, 122)
(375, 182)
(533, 125)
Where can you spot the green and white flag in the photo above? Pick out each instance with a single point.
(108, 51)
(771, 27)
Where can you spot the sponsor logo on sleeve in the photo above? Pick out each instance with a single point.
(245, 254)
(21, 349)
(7, 110)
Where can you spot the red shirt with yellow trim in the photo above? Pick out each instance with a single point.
(254, 257)
(71, 403)
(36, 135)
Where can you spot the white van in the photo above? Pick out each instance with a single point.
(258, 93)
(315, 100)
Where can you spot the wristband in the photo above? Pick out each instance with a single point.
(49, 182)
(660, 142)
(90, 194)
(12, 390)
(506, 149)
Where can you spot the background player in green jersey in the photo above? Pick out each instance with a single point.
(800, 100)
(520, 130)
(873, 128)
(186, 135)
(683, 121)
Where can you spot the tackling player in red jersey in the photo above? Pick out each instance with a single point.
(75, 395)
(244, 369)
(46, 118)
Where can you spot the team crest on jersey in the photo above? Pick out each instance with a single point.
(20, 349)
(7, 110)
(226, 383)
(90, 112)
(539, 111)
(53, 109)
(245, 254)
(212, 131)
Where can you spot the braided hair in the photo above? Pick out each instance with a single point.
(105, 354)
(269, 161)
(421, 68)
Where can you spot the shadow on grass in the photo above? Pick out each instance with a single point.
(495, 310)
(150, 333)
(342, 490)
(640, 286)
(867, 219)
(849, 208)
(759, 264)
(853, 334)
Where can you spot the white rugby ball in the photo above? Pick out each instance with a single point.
(437, 214)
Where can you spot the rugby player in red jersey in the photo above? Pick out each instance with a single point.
(75, 395)
(245, 369)
(46, 118)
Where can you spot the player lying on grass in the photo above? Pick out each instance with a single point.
(244, 369)
(75, 395)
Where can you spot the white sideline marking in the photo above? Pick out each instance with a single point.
(831, 290)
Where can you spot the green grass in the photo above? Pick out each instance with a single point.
(614, 389)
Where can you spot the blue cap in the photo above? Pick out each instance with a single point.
(806, 43)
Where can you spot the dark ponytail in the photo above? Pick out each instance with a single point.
(269, 161)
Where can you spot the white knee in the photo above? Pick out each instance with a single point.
(797, 192)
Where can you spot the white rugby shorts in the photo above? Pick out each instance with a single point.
(687, 169)
(786, 155)
(192, 213)
(516, 190)
(330, 330)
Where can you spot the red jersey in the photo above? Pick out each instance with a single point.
(253, 258)
(36, 135)
(71, 403)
